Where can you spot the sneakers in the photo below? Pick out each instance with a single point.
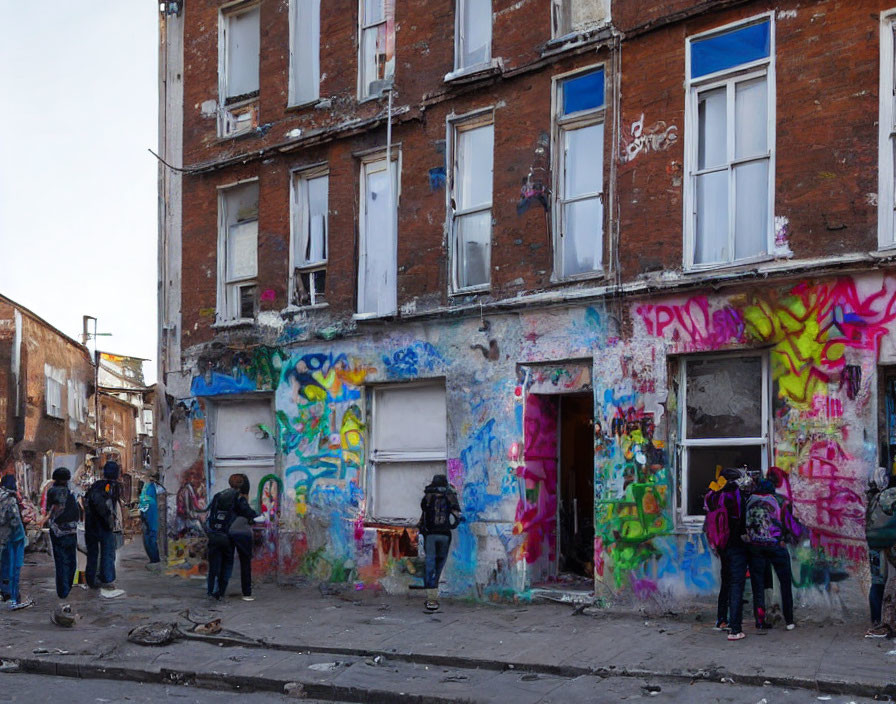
(248, 597)
(111, 592)
(431, 605)
(737, 636)
(791, 626)
(721, 625)
(24, 604)
(881, 630)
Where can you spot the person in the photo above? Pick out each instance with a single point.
(242, 539)
(723, 495)
(102, 527)
(736, 553)
(13, 541)
(440, 514)
(880, 533)
(149, 518)
(62, 514)
(770, 525)
(225, 507)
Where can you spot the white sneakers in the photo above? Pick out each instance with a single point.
(111, 593)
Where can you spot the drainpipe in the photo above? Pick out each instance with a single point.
(393, 219)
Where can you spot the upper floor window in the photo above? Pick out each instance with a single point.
(377, 59)
(239, 40)
(729, 148)
(471, 202)
(377, 263)
(579, 174)
(304, 51)
(309, 237)
(886, 189)
(568, 16)
(55, 382)
(238, 252)
(472, 34)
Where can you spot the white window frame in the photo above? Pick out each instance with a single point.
(53, 391)
(372, 162)
(728, 78)
(295, 35)
(364, 92)
(455, 125)
(886, 198)
(378, 457)
(460, 9)
(561, 18)
(764, 441)
(299, 224)
(241, 116)
(228, 308)
(577, 120)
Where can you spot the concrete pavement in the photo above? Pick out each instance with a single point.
(361, 646)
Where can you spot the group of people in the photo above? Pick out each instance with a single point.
(749, 525)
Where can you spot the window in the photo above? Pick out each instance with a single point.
(77, 402)
(239, 40)
(579, 175)
(377, 60)
(238, 252)
(240, 443)
(55, 381)
(730, 146)
(309, 237)
(471, 203)
(724, 421)
(304, 51)
(568, 16)
(886, 190)
(379, 237)
(472, 34)
(408, 446)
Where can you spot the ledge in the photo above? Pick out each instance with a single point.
(471, 74)
(577, 40)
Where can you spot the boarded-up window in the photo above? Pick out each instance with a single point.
(238, 251)
(724, 422)
(242, 443)
(377, 60)
(408, 447)
(304, 51)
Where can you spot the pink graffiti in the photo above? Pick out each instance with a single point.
(643, 588)
(455, 472)
(269, 294)
(693, 324)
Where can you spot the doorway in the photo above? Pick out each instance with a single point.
(575, 508)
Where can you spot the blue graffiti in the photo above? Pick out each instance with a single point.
(692, 564)
(215, 383)
(409, 362)
(437, 178)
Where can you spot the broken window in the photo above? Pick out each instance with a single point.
(724, 422)
(238, 252)
(55, 381)
(568, 16)
(471, 202)
(408, 446)
(377, 60)
(730, 151)
(238, 73)
(886, 201)
(579, 215)
(309, 237)
(473, 34)
(379, 236)
(304, 51)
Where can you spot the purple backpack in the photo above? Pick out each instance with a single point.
(764, 520)
(722, 508)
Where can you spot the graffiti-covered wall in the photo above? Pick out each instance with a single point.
(505, 376)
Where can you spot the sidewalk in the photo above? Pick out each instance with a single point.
(337, 644)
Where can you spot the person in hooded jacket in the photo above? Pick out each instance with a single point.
(225, 508)
(102, 528)
(13, 541)
(62, 514)
(440, 515)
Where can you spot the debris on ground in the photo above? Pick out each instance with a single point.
(155, 633)
(64, 616)
(49, 651)
(324, 666)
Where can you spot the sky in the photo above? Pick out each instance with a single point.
(78, 213)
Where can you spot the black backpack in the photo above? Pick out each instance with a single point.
(70, 512)
(437, 513)
(99, 501)
(221, 513)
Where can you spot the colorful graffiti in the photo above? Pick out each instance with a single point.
(238, 371)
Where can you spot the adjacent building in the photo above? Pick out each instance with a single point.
(577, 255)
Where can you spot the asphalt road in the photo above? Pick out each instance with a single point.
(17, 687)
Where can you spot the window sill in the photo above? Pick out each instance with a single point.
(292, 310)
(373, 317)
(232, 324)
(478, 72)
(384, 89)
(472, 291)
(724, 266)
(597, 275)
(577, 40)
(296, 107)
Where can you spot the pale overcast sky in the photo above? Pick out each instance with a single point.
(78, 223)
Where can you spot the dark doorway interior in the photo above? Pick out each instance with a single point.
(576, 485)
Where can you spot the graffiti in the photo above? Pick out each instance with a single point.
(782, 237)
(692, 325)
(238, 371)
(437, 178)
(534, 190)
(656, 138)
(411, 360)
(851, 378)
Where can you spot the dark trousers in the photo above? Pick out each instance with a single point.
(878, 564)
(436, 547)
(724, 587)
(220, 563)
(151, 542)
(243, 546)
(100, 553)
(737, 561)
(65, 555)
(779, 558)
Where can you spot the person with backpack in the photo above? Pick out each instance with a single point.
(722, 505)
(770, 525)
(880, 534)
(102, 529)
(226, 506)
(242, 538)
(12, 541)
(440, 515)
(62, 513)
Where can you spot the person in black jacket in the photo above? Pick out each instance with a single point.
(102, 527)
(62, 514)
(226, 506)
(440, 515)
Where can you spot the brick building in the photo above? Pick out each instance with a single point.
(575, 254)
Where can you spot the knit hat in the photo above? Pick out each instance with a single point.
(111, 470)
(61, 475)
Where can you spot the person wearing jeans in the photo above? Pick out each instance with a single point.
(13, 554)
(101, 523)
(440, 515)
(62, 514)
(779, 558)
(149, 516)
